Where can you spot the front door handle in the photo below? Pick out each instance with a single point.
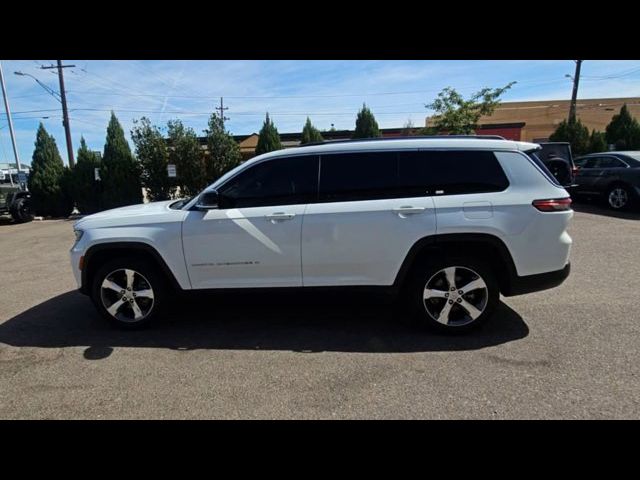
(408, 210)
(280, 216)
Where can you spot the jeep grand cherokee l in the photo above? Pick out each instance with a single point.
(449, 223)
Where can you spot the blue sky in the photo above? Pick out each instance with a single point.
(329, 92)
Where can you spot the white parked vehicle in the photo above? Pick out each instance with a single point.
(449, 222)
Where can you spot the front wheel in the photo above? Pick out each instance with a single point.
(129, 292)
(454, 296)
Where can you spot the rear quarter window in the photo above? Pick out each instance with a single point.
(545, 171)
(450, 172)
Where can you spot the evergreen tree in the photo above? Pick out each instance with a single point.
(47, 178)
(366, 125)
(153, 155)
(269, 139)
(224, 152)
(310, 134)
(185, 153)
(575, 133)
(597, 142)
(623, 131)
(84, 189)
(121, 171)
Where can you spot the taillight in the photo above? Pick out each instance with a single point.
(553, 205)
(575, 170)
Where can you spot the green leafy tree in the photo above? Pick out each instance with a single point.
(623, 131)
(430, 131)
(457, 116)
(47, 180)
(366, 125)
(153, 155)
(120, 170)
(597, 142)
(185, 153)
(83, 187)
(310, 134)
(224, 152)
(573, 132)
(268, 139)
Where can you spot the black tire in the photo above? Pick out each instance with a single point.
(620, 197)
(460, 320)
(21, 210)
(148, 278)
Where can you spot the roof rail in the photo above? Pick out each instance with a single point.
(416, 137)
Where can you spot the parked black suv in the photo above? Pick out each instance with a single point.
(612, 176)
(558, 159)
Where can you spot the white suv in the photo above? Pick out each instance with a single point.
(449, 222)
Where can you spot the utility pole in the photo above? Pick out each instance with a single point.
(222, 108)
(65, 112)
(13, 137)
(574, 94)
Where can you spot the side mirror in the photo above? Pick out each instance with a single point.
(208, 200)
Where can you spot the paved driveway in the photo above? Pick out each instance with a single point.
(571, 352)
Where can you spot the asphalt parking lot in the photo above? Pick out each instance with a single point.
(570, 352)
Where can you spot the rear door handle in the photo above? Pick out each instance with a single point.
(408, 210)
(280, 216)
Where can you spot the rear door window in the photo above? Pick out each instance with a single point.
(358, 176)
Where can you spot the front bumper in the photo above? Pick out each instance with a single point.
(75, 255)
(535, 283)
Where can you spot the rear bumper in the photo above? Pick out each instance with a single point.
(535, 283)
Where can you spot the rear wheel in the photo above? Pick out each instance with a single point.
(21, 210)
(455, 295)
(620, 197)
(128, 292)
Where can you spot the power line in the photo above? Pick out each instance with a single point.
(119, 86)
(616, 75)
(181, 112)
(255, 97)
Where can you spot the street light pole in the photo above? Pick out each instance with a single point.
(13, 137)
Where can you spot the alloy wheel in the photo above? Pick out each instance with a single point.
(455, 296)
(618, 198)
(127, 295)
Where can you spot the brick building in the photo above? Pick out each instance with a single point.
(540, 118)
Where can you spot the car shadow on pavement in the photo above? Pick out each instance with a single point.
(293, 322)
(599, 209)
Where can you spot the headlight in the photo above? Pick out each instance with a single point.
(79, 234)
